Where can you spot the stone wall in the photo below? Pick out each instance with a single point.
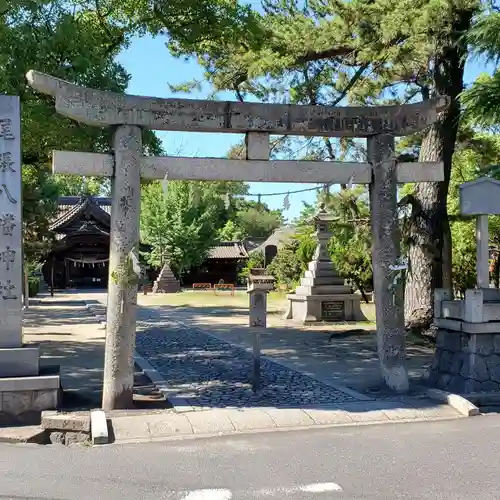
(466, 362)
(25, 406)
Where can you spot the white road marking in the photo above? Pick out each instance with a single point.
(224, 494)
(320, 487)
(306, 488)
(215, 494)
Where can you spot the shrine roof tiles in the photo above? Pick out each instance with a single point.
(280, 237)
(228, 250)
(71, 208)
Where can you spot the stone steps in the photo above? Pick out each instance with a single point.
(323, 290)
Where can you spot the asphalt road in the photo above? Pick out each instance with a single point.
(440, 460)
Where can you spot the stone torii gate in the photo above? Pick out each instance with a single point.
(126, 165)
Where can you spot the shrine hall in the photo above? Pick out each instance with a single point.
(79, 257)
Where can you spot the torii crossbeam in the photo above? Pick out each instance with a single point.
(128, 114)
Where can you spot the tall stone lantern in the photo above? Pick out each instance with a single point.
(322, 294)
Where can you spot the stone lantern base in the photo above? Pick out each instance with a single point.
(323, 296)
(466, 362)
(467, 357)
(320, 308)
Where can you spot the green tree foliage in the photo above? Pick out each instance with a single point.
(39, 203)
(363, 52)
(257, 221)
(256, 260)
(231, 232)
(287, 266)
(71, 41)
(184, 23)
(69, 185)
(184, 224)
(249, 219)
(482, 99)
(350, 246)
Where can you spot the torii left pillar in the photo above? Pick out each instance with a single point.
(121, 316)
(122, 284)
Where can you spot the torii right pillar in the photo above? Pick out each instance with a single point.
(391, 337)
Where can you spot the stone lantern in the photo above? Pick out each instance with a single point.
(259, 285)
(322, 294)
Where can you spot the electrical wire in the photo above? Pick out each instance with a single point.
(259, 195)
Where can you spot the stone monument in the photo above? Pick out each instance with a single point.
(467, 357)
(166, 281)
(22, 387)
(323, 295)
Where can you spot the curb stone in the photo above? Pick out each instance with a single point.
(459, 403)
(223, 422)
(180, 405)
(25, 434)
(98, 427)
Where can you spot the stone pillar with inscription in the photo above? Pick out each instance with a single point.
(122, 284)
(391, 333)
(22, 389)
(323, 295)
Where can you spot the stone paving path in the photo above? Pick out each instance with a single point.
(330, 353)
(208, 372)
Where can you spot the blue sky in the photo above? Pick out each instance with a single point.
(153, 69)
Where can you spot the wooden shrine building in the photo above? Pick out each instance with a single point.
(79, 258)
(223, 262)
(80, 255)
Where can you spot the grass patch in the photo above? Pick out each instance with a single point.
(276, 301)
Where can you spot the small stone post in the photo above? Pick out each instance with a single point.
(391, 338)
(482, 252)
(122, 287)
(259, 285)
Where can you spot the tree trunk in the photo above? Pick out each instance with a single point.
(430, 240)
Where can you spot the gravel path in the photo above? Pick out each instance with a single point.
(208, 372)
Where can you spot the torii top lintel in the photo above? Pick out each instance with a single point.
(103, 108)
